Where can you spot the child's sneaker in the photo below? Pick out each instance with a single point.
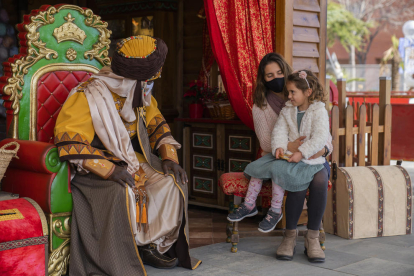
(270, 221)
(241, 213)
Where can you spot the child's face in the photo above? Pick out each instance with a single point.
(272, 71)
(297, 96)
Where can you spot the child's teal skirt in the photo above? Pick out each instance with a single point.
(292, 177)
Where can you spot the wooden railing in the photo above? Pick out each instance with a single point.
(355, 128)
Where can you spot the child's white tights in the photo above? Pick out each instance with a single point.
(255, 186)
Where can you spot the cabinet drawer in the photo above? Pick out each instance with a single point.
(203, 162)
(237, 164)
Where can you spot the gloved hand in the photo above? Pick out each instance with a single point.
(178, 171)
(122, 176)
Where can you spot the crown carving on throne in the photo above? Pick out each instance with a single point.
(69, 31)
(61, 46)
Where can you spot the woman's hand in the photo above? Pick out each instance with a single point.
(294, 146)
(278, 153)
(318, 154)
(296, 157)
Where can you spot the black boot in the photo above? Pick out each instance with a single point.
(150, 256)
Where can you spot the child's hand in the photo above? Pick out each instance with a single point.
(278, 153)
(296, 157)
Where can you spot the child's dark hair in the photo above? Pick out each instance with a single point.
(317, 88)
(259, 94)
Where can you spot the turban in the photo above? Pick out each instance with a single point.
(139, 58)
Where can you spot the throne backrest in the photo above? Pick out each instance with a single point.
(61, 46)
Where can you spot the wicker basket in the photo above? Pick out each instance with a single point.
(6, 156)
(221, 110)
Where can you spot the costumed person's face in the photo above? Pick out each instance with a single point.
(147, 92)
(274, 77)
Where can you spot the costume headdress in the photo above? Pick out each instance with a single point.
(140, 58)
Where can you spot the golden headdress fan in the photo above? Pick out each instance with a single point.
(140, 46)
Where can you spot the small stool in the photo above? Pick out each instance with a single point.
(237, 184)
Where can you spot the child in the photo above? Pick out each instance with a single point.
(303, 115)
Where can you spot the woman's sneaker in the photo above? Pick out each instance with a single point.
(241, 213)
(270, 221)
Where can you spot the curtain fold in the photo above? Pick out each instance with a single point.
(241, 33)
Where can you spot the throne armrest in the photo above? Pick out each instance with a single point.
(40, 175)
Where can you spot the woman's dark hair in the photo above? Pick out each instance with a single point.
(260, 91)
(317, 88)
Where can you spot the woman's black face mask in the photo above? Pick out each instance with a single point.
(276, 85)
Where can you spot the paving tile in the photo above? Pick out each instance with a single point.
(333, 259)
(378, 267)
(283, 268)
(202, 270)
(379, 250)
(242, 261)
(402, 241)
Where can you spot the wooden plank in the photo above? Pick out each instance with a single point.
(193, 42)
(301, 49)
(300, 63)
(349, 136)
(302, 34)
(361, 135)
(284, 29)
(374, 135)
(355, 130)
(335, 134)
(220, 138)
(384, 100)
(306, 19)
(341, 84)
(323, 16)
(387, 136)
(326, 93)
(187, 156)
(306, 5)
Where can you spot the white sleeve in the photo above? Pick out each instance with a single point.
(319, 134)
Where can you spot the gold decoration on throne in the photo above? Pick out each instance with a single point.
(71, 54)
(100, 49)
(59, 258)
(69, 31)
(21, 66)
(37, 50)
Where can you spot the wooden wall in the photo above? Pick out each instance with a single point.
(192, 44)
(301, 34)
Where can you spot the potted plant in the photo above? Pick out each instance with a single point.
(194, 97)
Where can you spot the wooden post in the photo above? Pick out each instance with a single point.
(387, 136)
(374, 134)
(284, 29)
(384, 100)
(327, 92)
(349, 137)
(361, 135)
(341, 84)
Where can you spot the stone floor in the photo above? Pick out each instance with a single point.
(386, 256)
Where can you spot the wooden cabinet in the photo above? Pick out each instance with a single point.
(211, 148)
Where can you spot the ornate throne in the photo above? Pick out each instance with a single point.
(60, 46)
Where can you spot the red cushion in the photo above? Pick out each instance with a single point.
(52, 90)
(237, 184)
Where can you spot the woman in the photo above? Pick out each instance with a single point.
(268, 101)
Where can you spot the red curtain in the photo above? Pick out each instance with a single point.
(241, 33)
